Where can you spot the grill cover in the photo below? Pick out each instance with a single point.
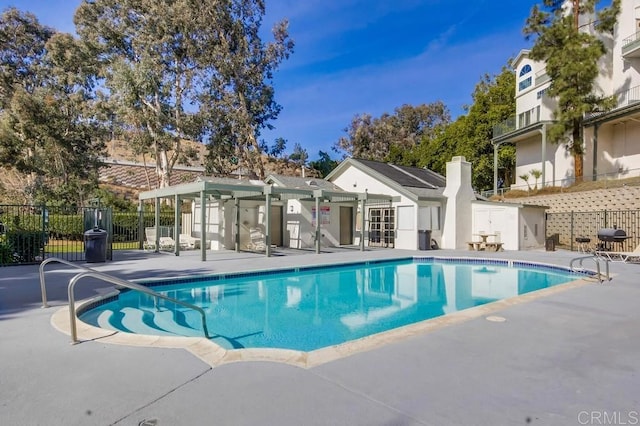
(612, 234)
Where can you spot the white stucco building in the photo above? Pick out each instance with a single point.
(610, 138)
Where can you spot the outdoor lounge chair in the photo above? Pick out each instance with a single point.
(621, 256)
(149, 239)
(189, 242)
(165, 243)
(257, 239)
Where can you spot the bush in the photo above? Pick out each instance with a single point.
(6, 252)
(25, 246)
(66, 227)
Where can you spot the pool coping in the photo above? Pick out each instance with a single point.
(215, 355)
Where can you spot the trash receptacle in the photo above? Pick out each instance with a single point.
(95, 245)
(551, 244)
(424, 239)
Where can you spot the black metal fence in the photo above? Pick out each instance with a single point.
(30, 234)
(568, 226)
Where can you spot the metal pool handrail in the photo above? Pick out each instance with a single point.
(597, 262)
(127, 284)
(43, 288)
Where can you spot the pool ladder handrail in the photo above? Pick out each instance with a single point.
(43, 287)
(596, 260)
(88, 272)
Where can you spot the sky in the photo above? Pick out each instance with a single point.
(353, 57)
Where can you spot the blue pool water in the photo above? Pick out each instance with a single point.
(312, 308)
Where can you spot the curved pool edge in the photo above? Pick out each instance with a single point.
(214, 355)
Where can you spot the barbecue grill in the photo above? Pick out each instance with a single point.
(607, 236)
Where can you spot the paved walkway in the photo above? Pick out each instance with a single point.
(571, 357)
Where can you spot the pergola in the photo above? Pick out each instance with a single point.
(206, 190)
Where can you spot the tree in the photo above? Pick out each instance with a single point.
(525, 177)
(572, 54)
(178, 70)
(470, 135)
(50, 126)
(324, 164)
(386, 138)
(299, 155)
(279, 145)
(536, 175)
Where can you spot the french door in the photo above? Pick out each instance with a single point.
(381, 227)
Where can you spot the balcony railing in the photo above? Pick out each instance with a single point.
(631, 45)
(520, 121)
(624, 98)
(628, 97)
(542, 77)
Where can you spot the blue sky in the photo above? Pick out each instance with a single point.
(368, 56)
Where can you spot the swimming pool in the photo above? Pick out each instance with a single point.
(310, 308)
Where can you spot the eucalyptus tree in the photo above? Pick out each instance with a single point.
(572, 51)
(187, 70)
(50, 130)
(389, 136)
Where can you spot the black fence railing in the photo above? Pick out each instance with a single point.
(30, 234)
(567, 226)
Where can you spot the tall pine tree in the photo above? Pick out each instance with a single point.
(571, 44)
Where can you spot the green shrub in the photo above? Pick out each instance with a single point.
(66, 227)
(25, 246)
(6, 252)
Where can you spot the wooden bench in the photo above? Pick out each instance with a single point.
(494, 246)
(476, 245)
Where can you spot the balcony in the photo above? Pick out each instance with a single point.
(624, 99)
(514, 123)
(542, 77)
(631, 46)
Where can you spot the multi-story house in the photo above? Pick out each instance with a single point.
(611, 139)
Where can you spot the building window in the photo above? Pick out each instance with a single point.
(541, 93)
(524, 84)
(381, 227)
(525, 70)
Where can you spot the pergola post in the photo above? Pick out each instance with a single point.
(318, 242)
(157, 224)
(141, 233)
(237, 223)
(267, 219)
(363, 202)
(176, 224)
(203, 226)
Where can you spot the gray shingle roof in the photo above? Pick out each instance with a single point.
(407, 176)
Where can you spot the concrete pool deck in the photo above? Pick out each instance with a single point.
(568, 357)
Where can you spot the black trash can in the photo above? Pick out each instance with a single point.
(424, 239)
(550, 244)
(95, 245)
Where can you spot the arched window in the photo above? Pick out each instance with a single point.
(525, 70)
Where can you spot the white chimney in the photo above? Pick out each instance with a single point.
(459, 193)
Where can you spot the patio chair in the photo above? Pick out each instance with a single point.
(189, 242)
(620, 256)
(257, 239)
(149, 239)
(167, 243)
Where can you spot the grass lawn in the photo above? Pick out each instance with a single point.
(73, 246)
